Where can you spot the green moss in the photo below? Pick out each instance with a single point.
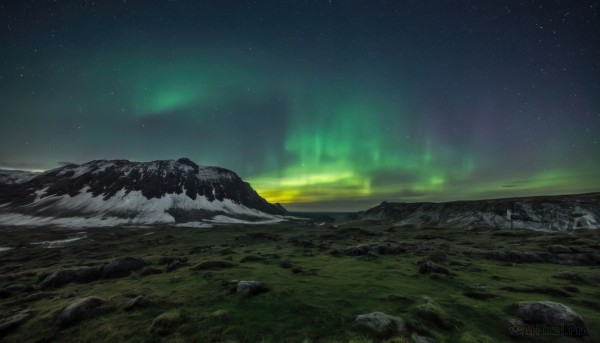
(316, 305)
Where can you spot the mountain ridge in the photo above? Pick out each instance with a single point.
(162, 191)
(547, 213)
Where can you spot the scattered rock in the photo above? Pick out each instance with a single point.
(165, 323)
(150, 271)
(559, 249)
(432, 267)
(18, 287)
(374, 249)
(68, 275)
(249, 288)
(571, 289)
(569, 276)
(138, 302)
(251, 258)
(36, 296)
(422, 339)
(551, 314)
(79, 310)
(286, 265)
(550, 290)
(517, 256)
(174, 265)
(206, 265)
(168, 260)
(11, 322)
(122, 266)
(381, 324)
(479, 292)
(429, 310)
(116, 268)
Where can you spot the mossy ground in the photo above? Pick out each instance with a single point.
(315, 302)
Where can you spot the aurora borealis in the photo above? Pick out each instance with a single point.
(320, 105)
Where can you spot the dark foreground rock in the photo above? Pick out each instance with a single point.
(249, 288)
(79, 310)
(374, 249)
(13, 321)
(429, 267)
(430, 310)
(551, 314)
(138, 302)
(122, 266)
(165, 323)
(381, 324)
(584, 258)
(115, 268)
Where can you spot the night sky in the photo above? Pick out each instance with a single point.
(320, 105)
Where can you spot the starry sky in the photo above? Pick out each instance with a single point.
(321, 105)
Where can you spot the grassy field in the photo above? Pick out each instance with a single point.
(315, 289)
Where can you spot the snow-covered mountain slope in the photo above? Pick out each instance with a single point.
(547, 213)
(16, 176)
(118, 192)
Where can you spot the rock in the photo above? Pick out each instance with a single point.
(297, 270)
(517, 256)
(11, 322)
(165, 323)
(122, 266)
(286, 265)
(138, 302)
(559, 249)
(432, 267)
(429, 310)
(569, 276)
(249, 288)
(251, 258)
(207, 265)
(421, 339)
(168, 260)
(68, 275)
(381, 324)
(36, 296)
(79, 310)
(18, 287)
(150, 271)
(116, 268)
(174, 265)
(374, 249)
(551, 314)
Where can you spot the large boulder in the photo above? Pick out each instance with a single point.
(429, 267)
(67, 275)
(79, 310)
(13, 321)
(381, 324)
(138, 302)
(122, 266)
(118, 267)
(428, 309)
(552, 314)
(249, 288)
(165, 323)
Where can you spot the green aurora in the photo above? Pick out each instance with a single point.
(336, 121)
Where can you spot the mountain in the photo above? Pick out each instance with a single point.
(16, 176)
(117, 192)
(549, 213)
